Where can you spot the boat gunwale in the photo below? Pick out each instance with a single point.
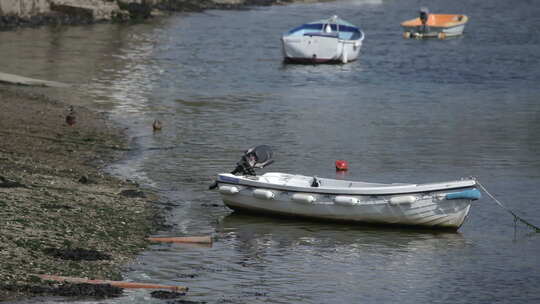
(336, 27)
(451, 24)
(378, 191)
(440, 28)
(339, 40)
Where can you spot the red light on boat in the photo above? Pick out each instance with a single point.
(342, 165)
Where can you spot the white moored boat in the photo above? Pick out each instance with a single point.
(437, 205)
(323, 41)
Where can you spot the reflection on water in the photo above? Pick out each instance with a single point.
(130, 85)
(256, 258)
(107, 64)
(247, 229)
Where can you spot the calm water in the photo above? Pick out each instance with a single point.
(406, 111)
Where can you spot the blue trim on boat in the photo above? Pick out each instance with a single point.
(319, 26)
(315, 191)
(472, 194)
(322, 34)
(227, 179)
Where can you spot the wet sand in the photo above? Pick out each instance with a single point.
(60, 213)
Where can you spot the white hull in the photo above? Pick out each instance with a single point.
(434, 31)
(331, 40)
(320, 49)
(454, 31)
(426, 205)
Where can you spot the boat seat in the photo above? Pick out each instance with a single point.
(322, 34)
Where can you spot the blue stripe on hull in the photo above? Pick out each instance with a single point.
(472, 194)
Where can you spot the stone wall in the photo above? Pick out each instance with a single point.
(24, 8)
(97, 10)
(37, 12)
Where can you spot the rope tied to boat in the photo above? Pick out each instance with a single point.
(516, 217)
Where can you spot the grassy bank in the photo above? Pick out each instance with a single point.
(59, 213)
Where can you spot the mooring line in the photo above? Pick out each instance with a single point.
(516, 217)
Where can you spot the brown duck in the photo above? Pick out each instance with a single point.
(156, 125)
(70, 118)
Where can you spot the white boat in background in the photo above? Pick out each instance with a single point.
(435, 205)
(332, 40)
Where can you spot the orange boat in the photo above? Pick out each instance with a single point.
(434, 25)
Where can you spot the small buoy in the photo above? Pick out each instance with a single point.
(441, 35)
(406, 35)
(342, 165)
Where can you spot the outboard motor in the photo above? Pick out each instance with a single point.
(424, 16)
(254, 157)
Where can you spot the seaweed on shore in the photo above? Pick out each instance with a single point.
(98, 291)
(163, 294)
(77, 254)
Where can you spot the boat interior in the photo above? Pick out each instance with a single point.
(327, 30)
(438, 20)
(295, 180)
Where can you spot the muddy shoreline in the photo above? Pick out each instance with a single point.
(60, 212)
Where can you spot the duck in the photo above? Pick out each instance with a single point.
(71, 118)
(157, 125)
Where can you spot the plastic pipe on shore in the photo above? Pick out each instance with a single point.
(20, 80)
(120, 284)
(186, 239)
